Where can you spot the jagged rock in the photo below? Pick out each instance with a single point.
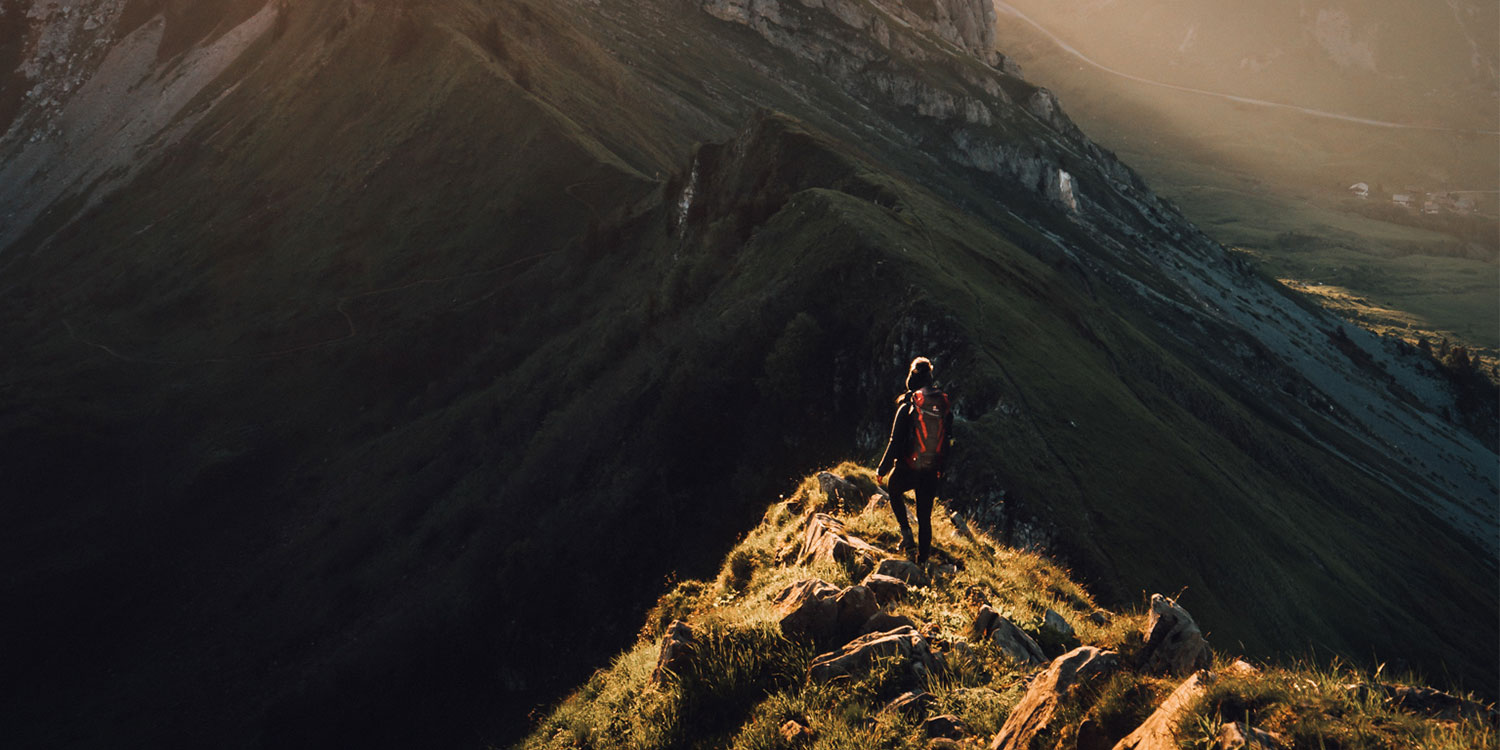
(914, 704)
(1237, 736)
(903, 569)
(1159, 730)
(839, 490)
(1174, 644)
(886, 588)
(809, 609)
(676, 648)
(859, 654)
(1054, 622)
(819, 610)
(882, 622)
(1030, 725)
(1011, 639)
(947, 725)
(856, 605)
(796, 734)
(826, 539)
(1242, 668)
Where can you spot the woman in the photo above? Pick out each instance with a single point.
(916, 453)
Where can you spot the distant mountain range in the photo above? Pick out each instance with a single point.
(345, 342)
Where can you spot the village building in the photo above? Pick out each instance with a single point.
(1360, 189)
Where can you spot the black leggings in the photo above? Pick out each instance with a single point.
(925, 485)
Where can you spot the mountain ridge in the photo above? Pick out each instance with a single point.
(813, 634)
(366, 516)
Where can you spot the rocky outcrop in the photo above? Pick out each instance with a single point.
(1012, 640)
(676, 648)
(856, 605)
(1032, 723)
(966, 24)
(1174, 644)
(887, 589)
(1054, 623)
(823, 612)
(1160, 730)
(841, 492)
(913, 704)
(903, 570)
(826, 540)
(881, 622)
(857, 656)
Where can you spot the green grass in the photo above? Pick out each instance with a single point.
(1401, 280)
(1312, 705)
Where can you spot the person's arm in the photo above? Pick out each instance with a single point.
(896, 446)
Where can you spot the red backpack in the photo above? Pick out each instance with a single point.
(929, 411)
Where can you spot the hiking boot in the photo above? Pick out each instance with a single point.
(908, 545)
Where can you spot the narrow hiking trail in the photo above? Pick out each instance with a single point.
(1005, 7)
(341, 307)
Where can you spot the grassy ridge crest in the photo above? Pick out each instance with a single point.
(746, 685)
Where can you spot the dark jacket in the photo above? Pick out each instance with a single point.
(899, 445)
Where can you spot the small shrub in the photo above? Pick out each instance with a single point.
(741, 568)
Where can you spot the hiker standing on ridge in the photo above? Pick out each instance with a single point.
(914, 457)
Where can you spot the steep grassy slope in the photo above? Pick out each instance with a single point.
(441, 327)
(743, 679)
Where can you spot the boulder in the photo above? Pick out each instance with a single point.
(1159, 730)
(842, 494)
(826, 539)
(887, 589)
(884, 621)
(914, 704)
(1099, 617)
(857, 656)
(1238, 736)
(1031, 723)
(819, 610)
(1174, 644)
(1012, 640)
(947, 725)
(1054, 622)
(809, 609)
(676, 648)
(856, 605)
(903, 569)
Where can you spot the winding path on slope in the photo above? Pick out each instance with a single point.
(1007, 8)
